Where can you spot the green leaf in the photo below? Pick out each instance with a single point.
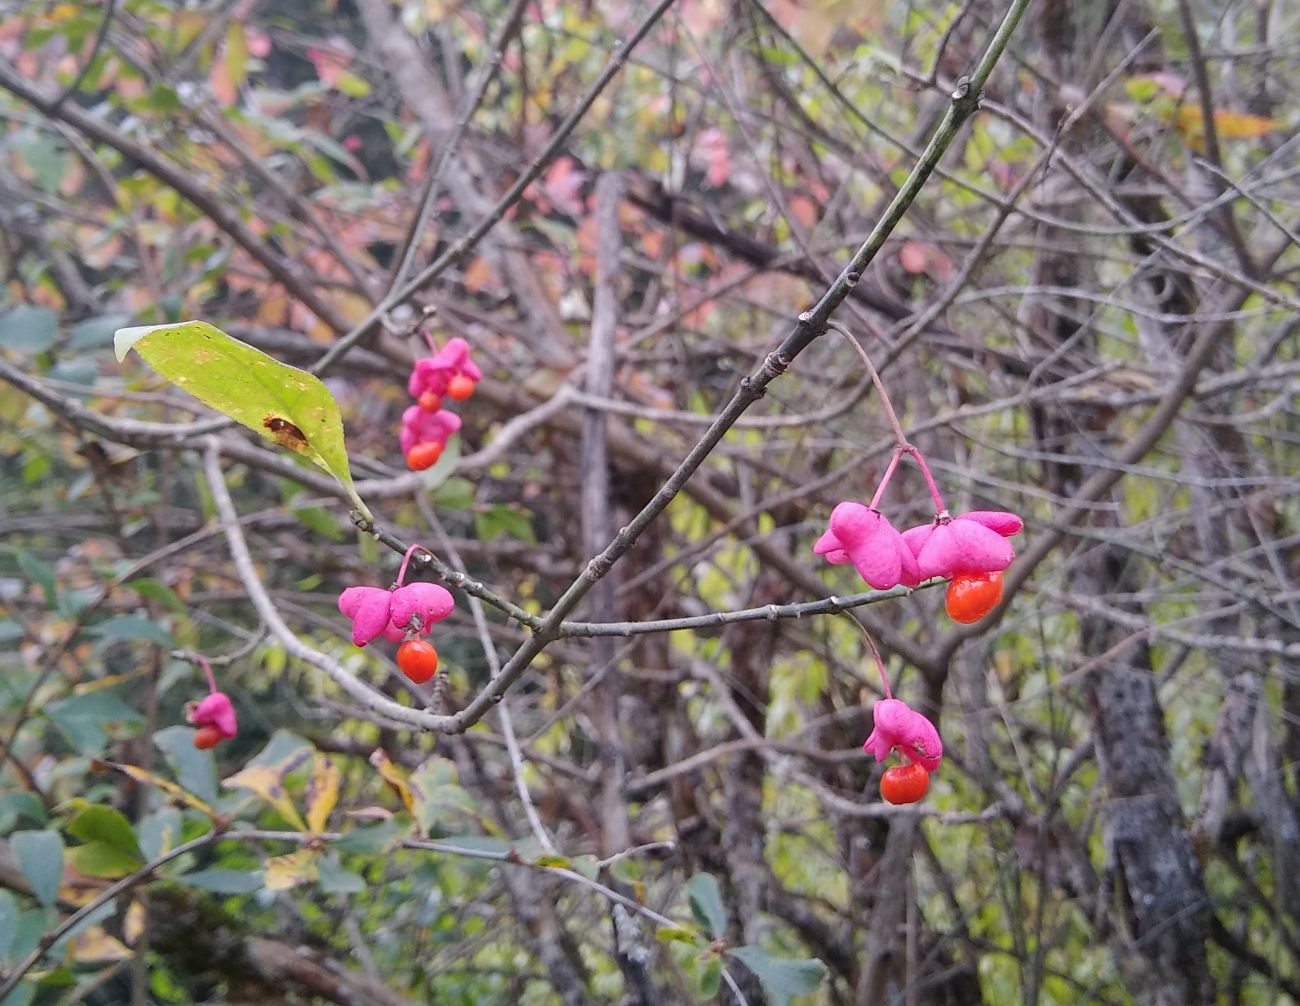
(333, 879)
(133, 627)
(455, 494)
(156, 590)
(24, 992)
(99, 823)
(281, 403)
(352, 85)
(437, 798)
(83, 719)
(96, 332)
(220, 881)
(99, 859)
(502, 519)
(40, 855)
(20, 803)
(8, 923)
(677, 934)
(28, 329)
(160, 831)
(374, 838)
(40, 573)
(710, 980)
(195, 770)
(781, 978)
(706, 904)
(320, 521)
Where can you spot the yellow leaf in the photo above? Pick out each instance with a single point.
(393, 776)
(1241, 125)
(322, 793)
(236, 52)
(133, 924)
(167, 786)
(1229, 125)
(284, 872)
(93, 945)
(268, 782)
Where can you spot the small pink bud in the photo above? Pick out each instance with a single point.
(215, 711)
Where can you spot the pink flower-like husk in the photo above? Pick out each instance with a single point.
(368, 609)
(434, 373)
(898, 725)
(829, 547)
(428, 600)
(376, 612)
(876, 549)
(421, 427)
(972, 542)
(216, 711)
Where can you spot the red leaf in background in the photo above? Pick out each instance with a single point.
(912, 257)
(331, 62)
(918, 257)
(563, 183)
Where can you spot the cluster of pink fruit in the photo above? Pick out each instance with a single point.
(426, 425)
(400, 614)
(970, 550)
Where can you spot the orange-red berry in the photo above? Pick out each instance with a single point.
(423, 456)
(460, 387)
(418, 660)
(971, 596)
(430, 402)
(905, 783)
(206, 737)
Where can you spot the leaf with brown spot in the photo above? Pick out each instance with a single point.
(281, 403)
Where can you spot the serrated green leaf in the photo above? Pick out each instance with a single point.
(285, 405)
(28, 329)
(781, 978)
(705, 897)
(40, 855)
